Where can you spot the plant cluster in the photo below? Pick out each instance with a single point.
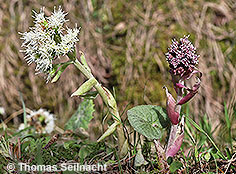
(47, 41)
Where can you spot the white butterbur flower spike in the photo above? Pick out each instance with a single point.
(47, 40)
(41, 121)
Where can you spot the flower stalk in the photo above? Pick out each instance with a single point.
(109, 100)
(182, 59)
(46, 41)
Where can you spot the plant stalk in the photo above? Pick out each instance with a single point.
(174, 128)
(109, 100)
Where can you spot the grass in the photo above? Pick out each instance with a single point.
(124, 43)
(199, 153)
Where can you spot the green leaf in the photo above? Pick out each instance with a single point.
(25, 145)
(228, 123)
(54, 69)
(90, 95)
(85, 87)
(72, 54)
(59, 71)
(175, 165)
(83, 61)
(139, 159)
(228, 153)
(207, 156)
(82, 117)
(109, 131)
(24, 112)
(83, 153)
(38, 155)
(111, 102)
(149, 120)
(196, 153)
(68, 144)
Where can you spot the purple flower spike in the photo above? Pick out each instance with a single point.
(170, 107)
(182, 57)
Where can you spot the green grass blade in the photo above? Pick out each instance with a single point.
(201, 130)
(24, 111)
(228, 123)
(227, 117)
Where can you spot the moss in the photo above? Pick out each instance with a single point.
(117, 8)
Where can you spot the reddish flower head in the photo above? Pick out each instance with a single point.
(182, 56)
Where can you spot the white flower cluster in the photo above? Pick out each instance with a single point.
(41, 120)
(48, 39)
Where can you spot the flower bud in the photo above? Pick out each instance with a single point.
(182, 57)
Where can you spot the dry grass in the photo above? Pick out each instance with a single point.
(124, 43)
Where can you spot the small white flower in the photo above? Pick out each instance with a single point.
(41, 121)
(39, 17)
(69, 40)
(57, 19)
(49, 127)
(45, 41)
(21, 127)
(2, 111)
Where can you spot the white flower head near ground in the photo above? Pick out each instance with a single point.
(41, 120)
(47, 40)
(2, 111)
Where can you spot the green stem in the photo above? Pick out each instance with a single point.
(201, 130)
(24, 111)
(108, 100)
(82, 69)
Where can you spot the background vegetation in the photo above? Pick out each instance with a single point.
(125, 42)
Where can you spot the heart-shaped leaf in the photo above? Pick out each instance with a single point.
(149, 120)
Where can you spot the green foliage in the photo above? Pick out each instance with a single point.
(148, 120)
(90, 95)
(139, 159)
(58, 70)
(84, 62)
(69, 144)
(90, 150)
(84, 152)
(24, 112)
(175, 165)
(205, 133)
(85, 87)
(228, 124)
(82, 117)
